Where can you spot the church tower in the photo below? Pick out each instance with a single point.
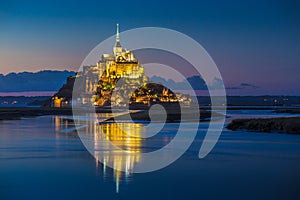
(118, 48)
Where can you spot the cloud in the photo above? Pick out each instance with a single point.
(29, 81)
(248, 85)
(234, 88)
(217, 84)
(196, 82)
(243, 86)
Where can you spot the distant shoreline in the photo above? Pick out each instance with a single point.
(15, 113)
(233, 102)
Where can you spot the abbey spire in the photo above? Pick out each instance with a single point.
(118, 35)
(118, 48)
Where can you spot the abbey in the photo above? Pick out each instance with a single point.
(101, 79)
(121, 74)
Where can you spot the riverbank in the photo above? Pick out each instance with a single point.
(143, 115)
(290, 125)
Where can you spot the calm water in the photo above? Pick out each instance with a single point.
(42, 158)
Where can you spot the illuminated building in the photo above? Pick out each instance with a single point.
(57, 102)
(121, 66)
(101, 79)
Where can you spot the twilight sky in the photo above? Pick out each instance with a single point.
(254, 43)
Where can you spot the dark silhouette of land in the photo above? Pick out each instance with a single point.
(173, 115)
(289, 125)
(18, 113)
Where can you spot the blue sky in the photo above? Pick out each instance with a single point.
(253, 42)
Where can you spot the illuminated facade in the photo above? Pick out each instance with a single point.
(59, 102)
(56, 102)
(101, 78)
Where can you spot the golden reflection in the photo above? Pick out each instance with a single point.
(57, 123)
(116, 133)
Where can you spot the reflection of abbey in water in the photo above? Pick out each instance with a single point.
(132, 145)
(100, 80)
(114, 133)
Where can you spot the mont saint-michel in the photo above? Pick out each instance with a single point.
(117, 72)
